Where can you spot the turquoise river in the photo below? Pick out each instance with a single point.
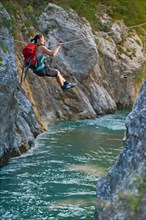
(56, 179)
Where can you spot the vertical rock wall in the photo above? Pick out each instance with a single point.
(18, 124)
(122, 191)
(103, 66)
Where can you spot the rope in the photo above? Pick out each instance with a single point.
(80, 39)
(103, 33)
(137, 25)
(19, 41)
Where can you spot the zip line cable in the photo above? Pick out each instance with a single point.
(80, 39)
(103, 33)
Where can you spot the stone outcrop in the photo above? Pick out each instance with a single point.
(122, 58)
(121, 193)
(77, 62)
(103, 66)
(18, 124)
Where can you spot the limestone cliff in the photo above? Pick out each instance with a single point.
(18, 124)
(123, 189)
(104, 66)
(98, 64)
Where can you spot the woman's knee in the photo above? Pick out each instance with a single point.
(58, 73)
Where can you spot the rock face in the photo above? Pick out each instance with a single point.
(104, 71)
(122, 57)
(77, 62)
(122, 190)
(18, 124)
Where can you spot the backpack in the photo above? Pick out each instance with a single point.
(29, 52)
(30, 59)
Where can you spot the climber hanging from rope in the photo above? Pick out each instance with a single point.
(35, 54)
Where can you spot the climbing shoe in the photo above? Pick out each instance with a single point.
(68, 85)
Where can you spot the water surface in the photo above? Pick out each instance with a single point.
(56, 179)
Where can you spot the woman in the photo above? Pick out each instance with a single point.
(42, 69)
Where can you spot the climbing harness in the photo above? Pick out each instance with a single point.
(24, 73)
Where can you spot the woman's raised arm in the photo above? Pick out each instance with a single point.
(46, 51)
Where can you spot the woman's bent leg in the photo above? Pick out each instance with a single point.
(46, 71)
(60, 79)
(55, 73)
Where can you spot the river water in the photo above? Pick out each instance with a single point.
(56, 179)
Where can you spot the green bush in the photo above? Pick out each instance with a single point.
(28, 9)
(1, 59)
(6, 23)
(131, 11)
(141, 75)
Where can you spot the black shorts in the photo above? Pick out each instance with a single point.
(46, 71)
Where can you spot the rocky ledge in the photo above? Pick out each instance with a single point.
(121, 193)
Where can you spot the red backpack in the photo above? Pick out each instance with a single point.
(29, 52)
